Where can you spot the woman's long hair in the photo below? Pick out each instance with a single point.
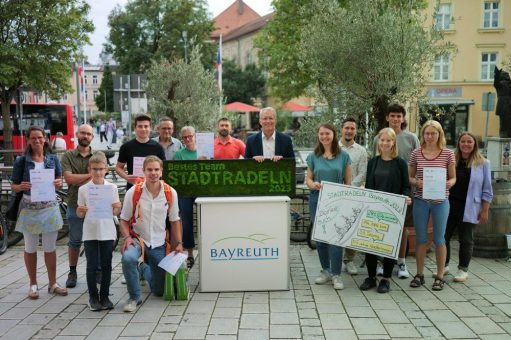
(392, 134)
(335, 148)
(475, 158)
(46, 147)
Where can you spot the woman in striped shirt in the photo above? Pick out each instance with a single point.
(431, 157)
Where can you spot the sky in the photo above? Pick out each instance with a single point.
(100, 9)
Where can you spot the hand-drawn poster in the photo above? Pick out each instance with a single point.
(362, 219)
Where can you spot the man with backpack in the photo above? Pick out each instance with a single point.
(146, 207)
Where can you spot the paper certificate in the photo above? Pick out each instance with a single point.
(138, 166)
(434, 183)
(205, 144)
(172, 262)
(43, 189)
(99, 201)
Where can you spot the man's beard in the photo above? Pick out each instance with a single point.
(83, 142)
(223, 133)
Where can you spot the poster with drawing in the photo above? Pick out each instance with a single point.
(362, 219)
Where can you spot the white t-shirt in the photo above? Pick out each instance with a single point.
(97, 229)
(59, 144)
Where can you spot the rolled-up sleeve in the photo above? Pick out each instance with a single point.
(487, 193)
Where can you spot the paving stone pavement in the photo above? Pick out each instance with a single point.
(478, 309)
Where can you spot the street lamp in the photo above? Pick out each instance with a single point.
(185, 36)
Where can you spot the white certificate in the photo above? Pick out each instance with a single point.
(172, 262)
(99, 201)
(434, 183)
(42, 189)
(138, 166)
(205, 144)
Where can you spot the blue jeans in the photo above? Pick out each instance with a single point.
(151, 272)
(186, 212)
(99, 252)
(75, 228)
(439, 214)
(330, 256)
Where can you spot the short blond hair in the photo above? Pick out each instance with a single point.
(98, 157)
(441, 143)
(392, 134)
(150, 159)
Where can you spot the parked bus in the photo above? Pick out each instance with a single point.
(52, 117)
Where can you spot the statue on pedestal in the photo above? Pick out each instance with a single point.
(502, 83)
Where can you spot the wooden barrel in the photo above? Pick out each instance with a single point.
(490, 238)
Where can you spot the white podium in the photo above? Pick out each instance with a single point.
(243, 243)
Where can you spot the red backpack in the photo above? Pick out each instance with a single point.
(137, 214)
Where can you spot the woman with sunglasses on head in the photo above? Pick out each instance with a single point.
(469, 200)
(39, 217)
(188, 153)
(386, 172)
(432, 156)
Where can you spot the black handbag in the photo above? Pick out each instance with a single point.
(14, 202)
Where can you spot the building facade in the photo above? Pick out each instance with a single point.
(459, 83)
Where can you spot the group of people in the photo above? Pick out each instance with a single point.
(152, 210)
(109, 131)
(398, 167)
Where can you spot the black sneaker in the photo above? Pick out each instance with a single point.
(94, 304)
(106, 303)
(190, 261)
(384, 286)
(72, 277)
(368, 283)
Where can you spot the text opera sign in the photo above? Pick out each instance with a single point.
(232, 177)
(444, 91)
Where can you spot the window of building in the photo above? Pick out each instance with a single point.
(85, 79)
(488, 63)
(86, 95)
(95, 94)
(443, 17)
(94, 79)
(441, 68)
(491, 14)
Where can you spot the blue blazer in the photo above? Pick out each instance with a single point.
(283, 146)
(479, 189)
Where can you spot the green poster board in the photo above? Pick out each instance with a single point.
(230, 177)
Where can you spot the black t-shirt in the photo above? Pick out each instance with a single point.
(134, 148)
(381, 175)
(459, 191)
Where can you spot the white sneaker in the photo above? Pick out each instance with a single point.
(379, 269)
(351, 268)
(402, 271)
(123, 280)
(131, 306)
(461, 276)
(323, 278)
(337, 282)
(446, 271)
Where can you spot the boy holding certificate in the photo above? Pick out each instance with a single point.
(98, 202)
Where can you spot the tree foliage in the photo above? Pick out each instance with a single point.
(39, 40)
(106, 92)
(242, 85)
(147, 30)
(185, 92)
(371, 52)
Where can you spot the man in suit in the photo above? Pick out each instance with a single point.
(269, 143)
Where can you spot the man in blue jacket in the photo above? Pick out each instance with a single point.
(269, 143)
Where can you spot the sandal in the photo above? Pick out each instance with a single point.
(418, 280)
(438, 284)
(190, 262)
(33, 292)
(56, 289)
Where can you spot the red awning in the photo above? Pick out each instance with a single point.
(290, 106)
(240, 107)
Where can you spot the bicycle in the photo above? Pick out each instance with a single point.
(301, 224)
(4, 234)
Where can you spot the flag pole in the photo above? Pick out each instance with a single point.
(219, 61)
(84, 97)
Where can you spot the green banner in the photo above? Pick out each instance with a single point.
(230, 177)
